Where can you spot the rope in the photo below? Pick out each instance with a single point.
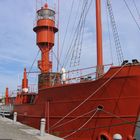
(106, 82)
(41, 2)
(136, 8)
(99, 127)
(71, 34)
(67, 27)
(109, 34)
(132, 14)
(76, 55)
(124, 120)
(115, 33)
(56, 58)
(108, 126)
(76, 35)
(74, 119)
(33, 62)
(77, 48)
(82, 125)
(119, 95)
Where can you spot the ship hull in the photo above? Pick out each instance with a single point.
(87, 110)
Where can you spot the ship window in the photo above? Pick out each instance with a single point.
(46, 14)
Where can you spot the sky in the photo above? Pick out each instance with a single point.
(18, 41)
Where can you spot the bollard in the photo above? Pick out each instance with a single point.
(42, 126)
(15, 117)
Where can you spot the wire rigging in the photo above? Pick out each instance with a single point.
(90, 96)
(136, 9)
(56, 58)
(115, 33)
(77, 45)
(109, 34)
(33, 62)
(132, 14)
(83, 125)
(72, 36)
(77, 41)
(67, 26)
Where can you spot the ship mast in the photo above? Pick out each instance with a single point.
(100, 68)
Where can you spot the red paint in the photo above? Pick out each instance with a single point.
(24, 80)
(117, 93)
(100, 69)
(22, 96)
(119, 96)
(45, 30)
(7, 96)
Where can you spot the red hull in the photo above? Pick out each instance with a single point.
(118, 92)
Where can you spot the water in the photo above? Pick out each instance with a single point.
(138, 131)
(138, 134)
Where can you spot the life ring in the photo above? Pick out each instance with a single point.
(130, 137)
(104, 136)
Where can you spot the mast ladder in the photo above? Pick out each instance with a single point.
(115, 33)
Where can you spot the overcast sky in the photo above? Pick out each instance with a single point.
(17, 39)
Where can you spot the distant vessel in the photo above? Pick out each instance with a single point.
(105, 108)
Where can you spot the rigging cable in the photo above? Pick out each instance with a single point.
(41, 1)
(78, 38)
(109, 34)
(115, 33)
(80, 42)
(132, 14)
(90, 96)
(120, 118)
(136, 8)
(58, 37)
(81, 127)
(63, 43)
(56, 58)
(71, 48)
(76, 118)
(33, 62)
(71, 34)
(71, 44)
(99, 127)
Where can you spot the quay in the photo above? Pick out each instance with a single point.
(18, 131)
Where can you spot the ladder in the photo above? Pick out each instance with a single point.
(115, 34)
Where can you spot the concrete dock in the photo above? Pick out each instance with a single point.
(18, 131)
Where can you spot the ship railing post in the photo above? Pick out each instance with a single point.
(48, 116)
(42, 126)
(15, 117)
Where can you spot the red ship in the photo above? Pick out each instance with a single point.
(105, 108)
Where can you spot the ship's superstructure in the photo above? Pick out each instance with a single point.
(25, 82)
(45, 30)
(7, 96)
